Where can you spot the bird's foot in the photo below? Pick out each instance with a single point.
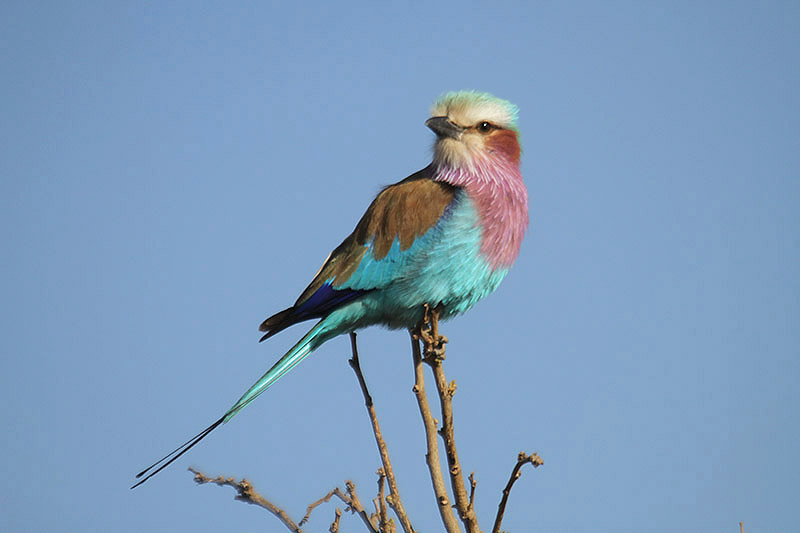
(433, 343)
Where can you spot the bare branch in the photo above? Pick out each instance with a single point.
(335, 525)
(522, 459)
(312, 506)
(432, 457)
(380, 522)
(393, 499)
(386, 523)
(434, 350)
(246, 493)
(381, 507)
(355, 506)
(325, 499)
(472, 484)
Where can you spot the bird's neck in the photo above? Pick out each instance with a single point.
(495, 185)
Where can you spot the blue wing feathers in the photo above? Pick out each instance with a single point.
(319, 304)
(393, 241)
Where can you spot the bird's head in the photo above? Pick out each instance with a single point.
(472, 126)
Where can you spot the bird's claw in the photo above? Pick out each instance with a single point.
(432, 341)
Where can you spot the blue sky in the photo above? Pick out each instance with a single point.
(171, 174)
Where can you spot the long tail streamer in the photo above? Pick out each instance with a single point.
(300, 351)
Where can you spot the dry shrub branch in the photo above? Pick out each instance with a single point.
(432, 353)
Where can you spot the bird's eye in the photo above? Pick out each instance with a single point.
(484, 127)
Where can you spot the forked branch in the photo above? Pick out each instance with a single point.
(350, 499)
(248, 494)
(433, 353)
(434, 350)
(432, 456)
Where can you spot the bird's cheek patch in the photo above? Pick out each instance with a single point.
(504, 142)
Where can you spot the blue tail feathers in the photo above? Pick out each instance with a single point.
(299, 351)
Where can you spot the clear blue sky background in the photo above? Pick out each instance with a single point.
(172, 173)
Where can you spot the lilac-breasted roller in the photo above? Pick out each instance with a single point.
(444, 236)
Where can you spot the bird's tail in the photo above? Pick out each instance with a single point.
(299, 351)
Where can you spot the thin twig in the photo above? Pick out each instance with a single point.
(355, 505)
(522, 458)
(246, 493)
(312, 506)
(472, 484)
(382, 500)
(393, 499)
(350, 499)
(333, 492)
(432, 457)
(386, 524)
(335, 525)
(434, 350)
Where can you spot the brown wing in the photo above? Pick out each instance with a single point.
(403, 211)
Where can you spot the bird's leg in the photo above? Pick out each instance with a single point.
(428, 329)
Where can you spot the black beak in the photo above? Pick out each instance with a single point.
(443, 127)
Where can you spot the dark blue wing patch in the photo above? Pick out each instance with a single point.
(320, 303)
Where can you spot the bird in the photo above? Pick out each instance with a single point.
(445, 236)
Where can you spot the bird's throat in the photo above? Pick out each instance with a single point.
(495, 185)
